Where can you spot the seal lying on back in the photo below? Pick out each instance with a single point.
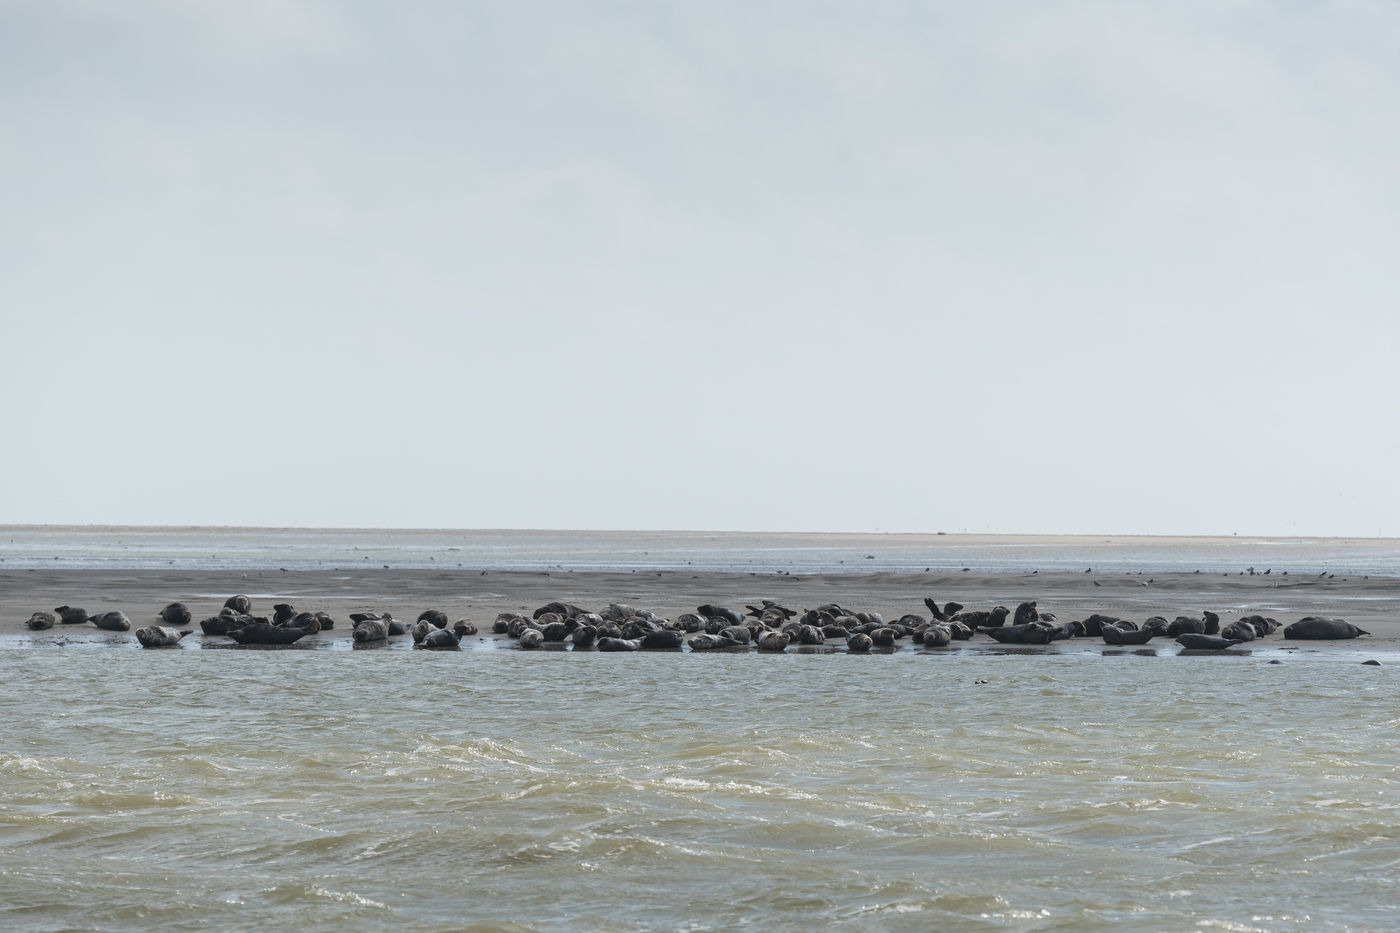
(1116, 635)
(1314, 628)
(160, 636)
(976, 618)
(114, 621)
(1239, 630)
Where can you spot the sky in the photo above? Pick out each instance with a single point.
(1031, 267)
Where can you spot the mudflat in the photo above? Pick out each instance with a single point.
(1373, 603)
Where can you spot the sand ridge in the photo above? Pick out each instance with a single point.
(1372, 603)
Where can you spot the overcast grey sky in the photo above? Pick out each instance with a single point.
(998, 267)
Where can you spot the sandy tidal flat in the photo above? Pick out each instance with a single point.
(1373, 603)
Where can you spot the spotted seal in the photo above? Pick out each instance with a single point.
(160, 636)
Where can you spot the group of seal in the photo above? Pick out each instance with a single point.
(767, 627)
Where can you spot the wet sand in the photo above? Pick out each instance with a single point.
(1372, 603)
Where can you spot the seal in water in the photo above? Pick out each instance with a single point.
(68, 615)
(1315, 628)
(114, 621)
(160, 636)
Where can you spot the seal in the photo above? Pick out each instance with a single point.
(307, 621)
(884, 636)
(1027, 633)
(462, 628)
(530, 638)
(1184, 625)
(1113, 635)
(434, 616)
(113, 621)
(1239, 630)
(440, 639)
(1262, 625)
(937, 635)
(707, 642)
(282, 613)
(1199, 640)
(772, 641)
(224, 622)
(1094, 623)
(239, 604)
(858, 642)
(1318, 628)
(977, 618)
(739, 634)
(370, 629)
(1025, 614)
(584, 636)
(39, 621)
(68, 615)
(1157, 625)
(664, 640)
(262, 633)
(618, 644)
(711, 611)
(176, 615)
(160, 636)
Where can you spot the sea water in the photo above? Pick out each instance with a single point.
(554, 791)
(574, 790)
